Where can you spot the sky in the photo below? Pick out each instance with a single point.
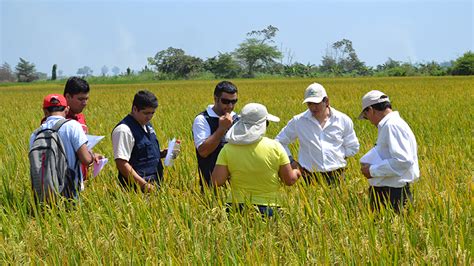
(121, 33)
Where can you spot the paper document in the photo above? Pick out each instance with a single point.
(169, 154)
(98, 166)
(371, 157)
(93, 140)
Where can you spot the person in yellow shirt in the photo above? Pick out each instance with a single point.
(254, 165)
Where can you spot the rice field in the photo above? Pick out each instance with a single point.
(180, 225)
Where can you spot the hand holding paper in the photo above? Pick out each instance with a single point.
(371, 157)
(99, 165)
(169, 155)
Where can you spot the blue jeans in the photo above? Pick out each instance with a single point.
(264, 210)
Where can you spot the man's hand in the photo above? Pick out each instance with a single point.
(148, 188)
(163, 153)
(365, 169)
(225, 122)
(98, 157)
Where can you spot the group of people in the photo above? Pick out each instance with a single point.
(233, 149)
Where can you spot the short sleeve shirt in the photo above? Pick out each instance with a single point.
(254, 171)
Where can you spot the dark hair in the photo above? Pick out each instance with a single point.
(144, 99)
(53, 109)
(76, 85)
(224, 86)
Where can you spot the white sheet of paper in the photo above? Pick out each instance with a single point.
(98, 166)
(169, 155)
(93, 140)
(371, 157)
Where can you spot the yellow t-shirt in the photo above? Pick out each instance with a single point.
(253, 171)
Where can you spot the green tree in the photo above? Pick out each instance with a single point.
(342, 59)
(176, 63)
(85, 71)
(464, 65)
(25, 71)
(257, 52)
(6, 73)
(223, 66)
(53, 72)
(431, 69)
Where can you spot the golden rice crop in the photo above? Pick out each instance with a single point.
(179, 225)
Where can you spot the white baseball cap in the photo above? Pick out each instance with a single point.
(315, 93)
(371, 98)
(251, 125)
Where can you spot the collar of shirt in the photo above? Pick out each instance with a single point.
(53, 117)
(387, 117)
(308, 115)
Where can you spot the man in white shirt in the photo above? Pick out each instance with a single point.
(137, 151)
(326, 138)
(55, 109)
(389, 178)
(210, 127)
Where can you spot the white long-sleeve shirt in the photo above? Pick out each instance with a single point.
(396, 145)
(322, 149)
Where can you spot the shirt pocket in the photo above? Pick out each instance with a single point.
(144, 151)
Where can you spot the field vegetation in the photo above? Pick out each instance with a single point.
(180, 225)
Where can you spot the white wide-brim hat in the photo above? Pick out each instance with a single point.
(251, 125)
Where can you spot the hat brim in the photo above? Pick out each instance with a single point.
(241, 133)
(273, 118)
(313, 100)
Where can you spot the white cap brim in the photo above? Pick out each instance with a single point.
(313, 100)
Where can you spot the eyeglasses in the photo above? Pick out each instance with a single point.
(228, 101)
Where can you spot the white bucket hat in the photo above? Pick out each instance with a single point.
(371, 98)
(251, 125)
(315, 93)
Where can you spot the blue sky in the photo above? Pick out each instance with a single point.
(73, 34)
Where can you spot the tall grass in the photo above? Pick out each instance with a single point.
(180, 225)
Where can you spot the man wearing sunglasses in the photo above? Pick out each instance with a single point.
(210, 127)
(326, 137)
(396, 147)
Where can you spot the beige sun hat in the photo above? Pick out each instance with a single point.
(251, 125)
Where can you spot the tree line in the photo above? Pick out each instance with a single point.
(256, 56)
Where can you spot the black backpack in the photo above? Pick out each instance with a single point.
(49, 171)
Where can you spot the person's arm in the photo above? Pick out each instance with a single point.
(286, 136)
(84, 155)
(288, 175)
(220, 175)
(127, 171)
(401, 157)
(123, 142)
(350, 142)
(211, 143)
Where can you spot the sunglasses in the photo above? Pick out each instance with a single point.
(228, 101)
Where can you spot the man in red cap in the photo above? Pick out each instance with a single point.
(55, 108)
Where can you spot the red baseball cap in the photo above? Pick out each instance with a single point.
(54, 100)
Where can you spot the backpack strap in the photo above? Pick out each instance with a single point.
(59, 124)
